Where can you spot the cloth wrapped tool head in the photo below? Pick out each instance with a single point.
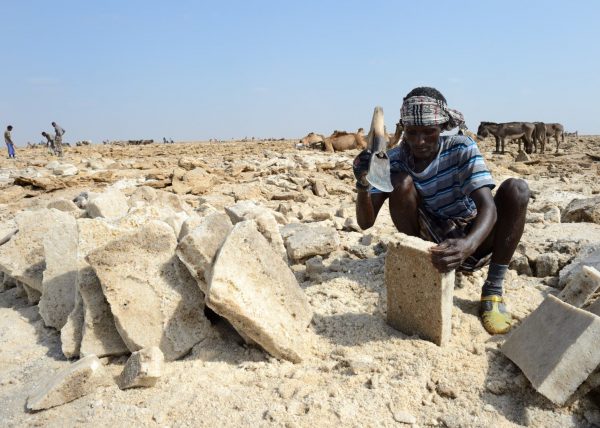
(421, 110)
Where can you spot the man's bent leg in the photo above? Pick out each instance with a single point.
(404, 203)
(511, 204)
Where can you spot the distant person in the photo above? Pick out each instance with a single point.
(9, 142)
(49, 142)
(58, 139)
(442, 192)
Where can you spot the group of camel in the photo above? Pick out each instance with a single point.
(530, 133)
(340, 141)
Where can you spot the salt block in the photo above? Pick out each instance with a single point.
(143, 368)
(256, 291)
(265, 221)
(22, 257)
(74, 381)
(152, 296)
(305, 240)
(581, 287)
(419, 298)
(199, 247)
(111, 204)
(60, 276)
(99, 336)
(556, 347)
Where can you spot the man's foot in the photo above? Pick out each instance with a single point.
(494, 316)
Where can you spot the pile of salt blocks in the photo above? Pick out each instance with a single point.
(120, 275)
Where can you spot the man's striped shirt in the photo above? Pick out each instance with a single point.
(445, 185)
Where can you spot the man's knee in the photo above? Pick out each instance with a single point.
(517, 190)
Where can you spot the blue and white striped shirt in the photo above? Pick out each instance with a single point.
(445, 185)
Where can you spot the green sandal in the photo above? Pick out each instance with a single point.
(494, 317)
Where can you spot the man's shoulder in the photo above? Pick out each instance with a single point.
(458, 141)
(458, 144)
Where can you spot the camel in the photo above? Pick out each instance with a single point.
(312, 141)
(340, 141)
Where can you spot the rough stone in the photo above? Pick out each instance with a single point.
(199, 247)
(60, 276)
(198, 180)
(522, 157)
(582, 210)
(189, 163)
(307, 240)
(520, 169)
(176, 221)
(70, 383)
(552, 214)
(258, 293)
(203, 210)
(65, 170)
(141, 215)
(143, 368)
(265, 221)
(352, 225)
(556, 347)
(22, 257)
(546, 265)
(217, 201)
(180, 187)
(191, 223)
(581, 287)
(319, 189)
(63, 205)
(154, 300)
(588, 256)
(99, 336)
(72, 331)
(111, 205)
(520, 263)
(157, 198)
(419, 298)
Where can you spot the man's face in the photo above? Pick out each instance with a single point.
(422, 140)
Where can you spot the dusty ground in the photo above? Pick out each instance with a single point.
(361, 372)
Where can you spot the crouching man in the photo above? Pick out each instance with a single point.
(443, 193)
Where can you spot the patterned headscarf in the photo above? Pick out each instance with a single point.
(422, 110)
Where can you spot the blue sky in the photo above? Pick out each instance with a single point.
(191, 70)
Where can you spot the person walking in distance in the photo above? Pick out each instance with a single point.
(9, 142)
(58, 138)
(49, 143)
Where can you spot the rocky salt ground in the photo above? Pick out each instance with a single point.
(357, 370)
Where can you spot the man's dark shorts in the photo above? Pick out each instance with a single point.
(437, 230)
